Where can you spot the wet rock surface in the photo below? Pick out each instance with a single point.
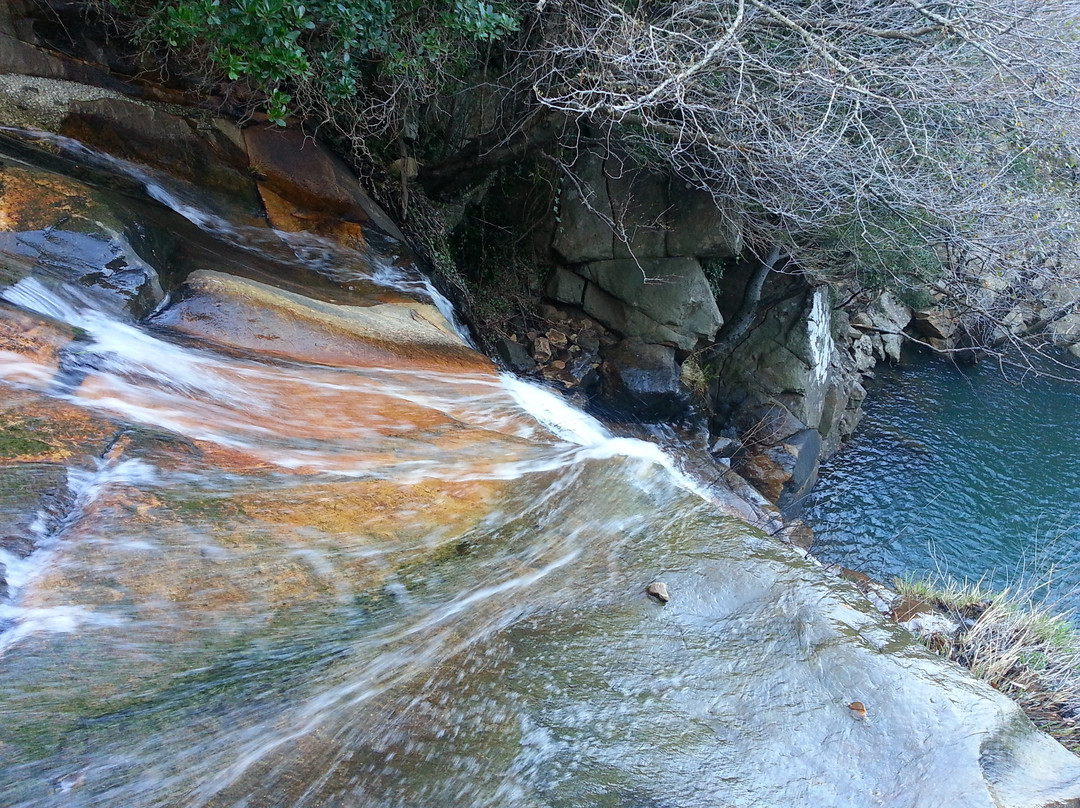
(284, 576)
(217, 307)
(643, 382)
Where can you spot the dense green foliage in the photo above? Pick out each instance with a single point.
(332, 51)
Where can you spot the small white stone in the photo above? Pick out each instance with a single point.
(658, 590)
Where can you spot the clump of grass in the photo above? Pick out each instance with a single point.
(1016, 642)
(947, 595)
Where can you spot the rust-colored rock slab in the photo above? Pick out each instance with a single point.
(36, 429)
(297, 168)
(37, 200)
(292, 218)
(240, 313)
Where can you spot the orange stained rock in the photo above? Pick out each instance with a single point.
(37, 429)
(182, 568)
(266, 405)
(375, 509)
(317, 421)
(30, 346)
(289, 217)
(32, 199)
(243, 314)
(178, 561)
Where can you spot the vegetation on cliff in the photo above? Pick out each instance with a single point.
(899, 142)
(369, 59)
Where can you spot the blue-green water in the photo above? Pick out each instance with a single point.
(960, 472)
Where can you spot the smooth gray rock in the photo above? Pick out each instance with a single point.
(621, 317)
(671, 291)
(514, 355)
(642, 382)
(582, 231)
(639, 203)
(805, 446)
(697, 227)
(567, 287)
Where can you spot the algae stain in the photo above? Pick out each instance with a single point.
(17, 440)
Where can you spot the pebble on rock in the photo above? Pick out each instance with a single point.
(858, 709)
(658, 590)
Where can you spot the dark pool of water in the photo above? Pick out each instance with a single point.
(965, 472)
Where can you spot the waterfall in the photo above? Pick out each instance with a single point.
(301, 565)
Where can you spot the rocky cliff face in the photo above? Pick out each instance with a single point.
(657, 267)
(660, 267)
(645, 270)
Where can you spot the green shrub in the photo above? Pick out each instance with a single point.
(323, 52)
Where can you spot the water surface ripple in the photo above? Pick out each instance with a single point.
(967, 472)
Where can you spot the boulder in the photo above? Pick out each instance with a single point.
(698, 227)
(1066, 330)
(61, 231)
(798, 534)
(785, 472)
(888, 312)
(295, 167)
(862, 321)
(210, 156)
(642, 382)
(245, 314)
(769, 422)
(724, 447)
(769, 471)
(624, 318)
(638, 203)
(567, 287)
(863, 351)
(790, 354)
(805, 446)
(514, 355)
(791, 394)
(673, 292)
(583, 229)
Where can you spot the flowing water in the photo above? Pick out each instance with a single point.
(255, 557)
(969, 473)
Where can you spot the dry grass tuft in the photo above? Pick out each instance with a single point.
(1016, 642)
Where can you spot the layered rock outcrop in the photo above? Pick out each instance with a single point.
(629, 246)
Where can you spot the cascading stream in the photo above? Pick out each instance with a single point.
(302, 564)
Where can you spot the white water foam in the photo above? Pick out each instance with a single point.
(555, 414)
(85, 487)
(574, 426)
(52, 620)
(119, 347)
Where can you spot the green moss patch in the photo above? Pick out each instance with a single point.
(19, 440)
